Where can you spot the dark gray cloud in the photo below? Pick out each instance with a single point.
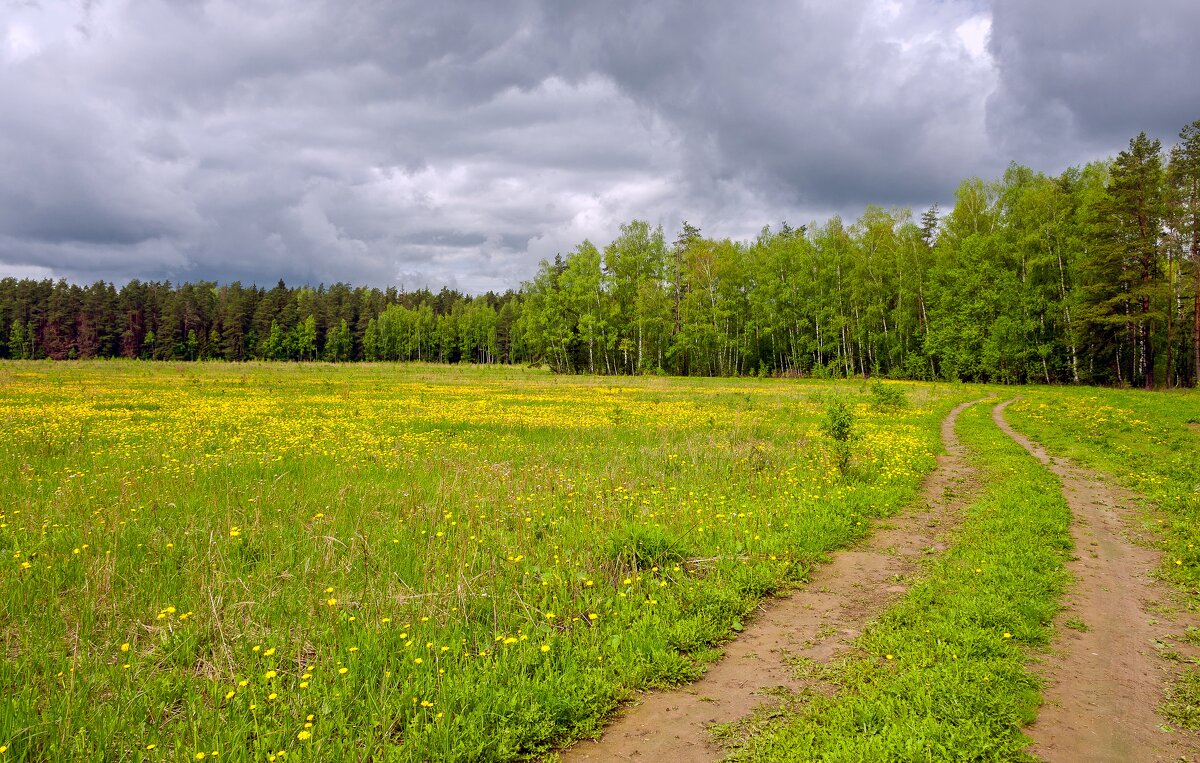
(430, 143)
(1078, 81)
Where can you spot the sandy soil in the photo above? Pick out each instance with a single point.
(1105, 683)
(816, 622)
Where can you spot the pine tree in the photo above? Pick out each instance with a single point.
(1185, 177)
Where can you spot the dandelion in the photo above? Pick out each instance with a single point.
(343, 671)
(125, 647)
(331, 602)
(545, 647)
(306, 734)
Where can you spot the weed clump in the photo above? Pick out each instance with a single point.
(640, 547)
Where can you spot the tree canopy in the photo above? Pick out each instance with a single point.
(1092, 276)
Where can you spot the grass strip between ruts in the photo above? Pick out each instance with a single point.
(943, 674)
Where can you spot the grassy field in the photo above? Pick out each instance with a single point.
(311, 562)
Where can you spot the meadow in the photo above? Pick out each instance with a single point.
(404, 562)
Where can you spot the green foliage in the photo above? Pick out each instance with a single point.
(838, 424)
(887, 396)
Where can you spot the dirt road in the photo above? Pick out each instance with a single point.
(1105, 676)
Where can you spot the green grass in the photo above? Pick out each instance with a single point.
(943, 675)
(432, 563)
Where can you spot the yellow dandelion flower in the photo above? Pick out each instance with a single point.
(304, 735)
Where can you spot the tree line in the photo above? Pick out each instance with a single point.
(1091, 276)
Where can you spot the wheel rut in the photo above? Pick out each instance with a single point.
(1105, 682)
(817, 622)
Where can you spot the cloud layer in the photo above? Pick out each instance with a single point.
(429, 143)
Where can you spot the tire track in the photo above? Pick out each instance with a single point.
(1105, 680)
(816, 622)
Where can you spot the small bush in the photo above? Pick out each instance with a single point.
(839, 421)
(839, 427)
(887, 396)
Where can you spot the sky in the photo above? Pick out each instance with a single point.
(423, 144)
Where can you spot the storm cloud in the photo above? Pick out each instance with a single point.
(434, 143)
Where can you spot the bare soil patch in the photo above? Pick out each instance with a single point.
(1106, 675)
(816, 622)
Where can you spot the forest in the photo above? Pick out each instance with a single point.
(1090, 277)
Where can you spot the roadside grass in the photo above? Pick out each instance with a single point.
(400, 562)
(1150, 443)
(943, 675)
